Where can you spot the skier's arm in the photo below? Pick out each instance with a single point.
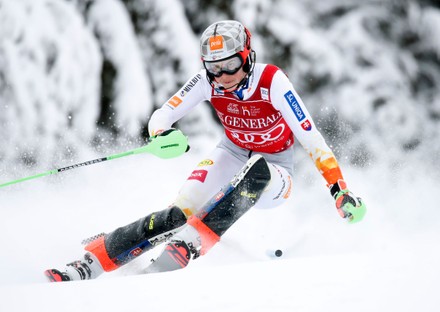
(191, 94)
(288, 102)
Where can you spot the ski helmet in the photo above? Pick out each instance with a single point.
(224, 39)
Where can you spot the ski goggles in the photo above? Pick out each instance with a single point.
(228, 66)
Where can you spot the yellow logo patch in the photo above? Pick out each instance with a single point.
(151, 224)
(205, 162)
(248, 195)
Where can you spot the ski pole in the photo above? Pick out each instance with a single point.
(169, 144)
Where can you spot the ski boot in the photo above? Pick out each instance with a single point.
(84, 269)
(181, 248)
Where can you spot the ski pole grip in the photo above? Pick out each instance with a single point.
(168, 144)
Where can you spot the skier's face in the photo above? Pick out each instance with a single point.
(230, 82)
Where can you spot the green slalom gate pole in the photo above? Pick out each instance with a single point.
(169, 144)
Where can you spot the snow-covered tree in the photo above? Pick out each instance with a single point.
(92, 71)
(49, 81)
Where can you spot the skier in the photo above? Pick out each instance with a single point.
(251, 166)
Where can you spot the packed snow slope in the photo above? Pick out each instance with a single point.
(388, 262)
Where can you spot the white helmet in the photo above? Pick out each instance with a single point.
(224, 39)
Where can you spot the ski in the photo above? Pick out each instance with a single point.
(53, 275)
(176, 255)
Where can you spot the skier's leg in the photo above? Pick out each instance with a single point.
(207, 178)
(130, 241)
(120, 246)
(280, 186)
(112, 250)
(125, 243)
(278, 190)
(277, 184)
(204, 229)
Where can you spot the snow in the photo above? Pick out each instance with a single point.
(48, 86)
(51, 56)
(388, 262)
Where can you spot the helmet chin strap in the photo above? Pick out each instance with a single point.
(219, 86)
(233, 88)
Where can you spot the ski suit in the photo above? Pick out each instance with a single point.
(264, 117)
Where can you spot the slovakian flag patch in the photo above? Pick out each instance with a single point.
(306, 125)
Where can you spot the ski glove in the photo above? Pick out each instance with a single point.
(169, 143)
(348, 205)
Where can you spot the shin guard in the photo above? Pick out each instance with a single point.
(127, 242)
(231, 203)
